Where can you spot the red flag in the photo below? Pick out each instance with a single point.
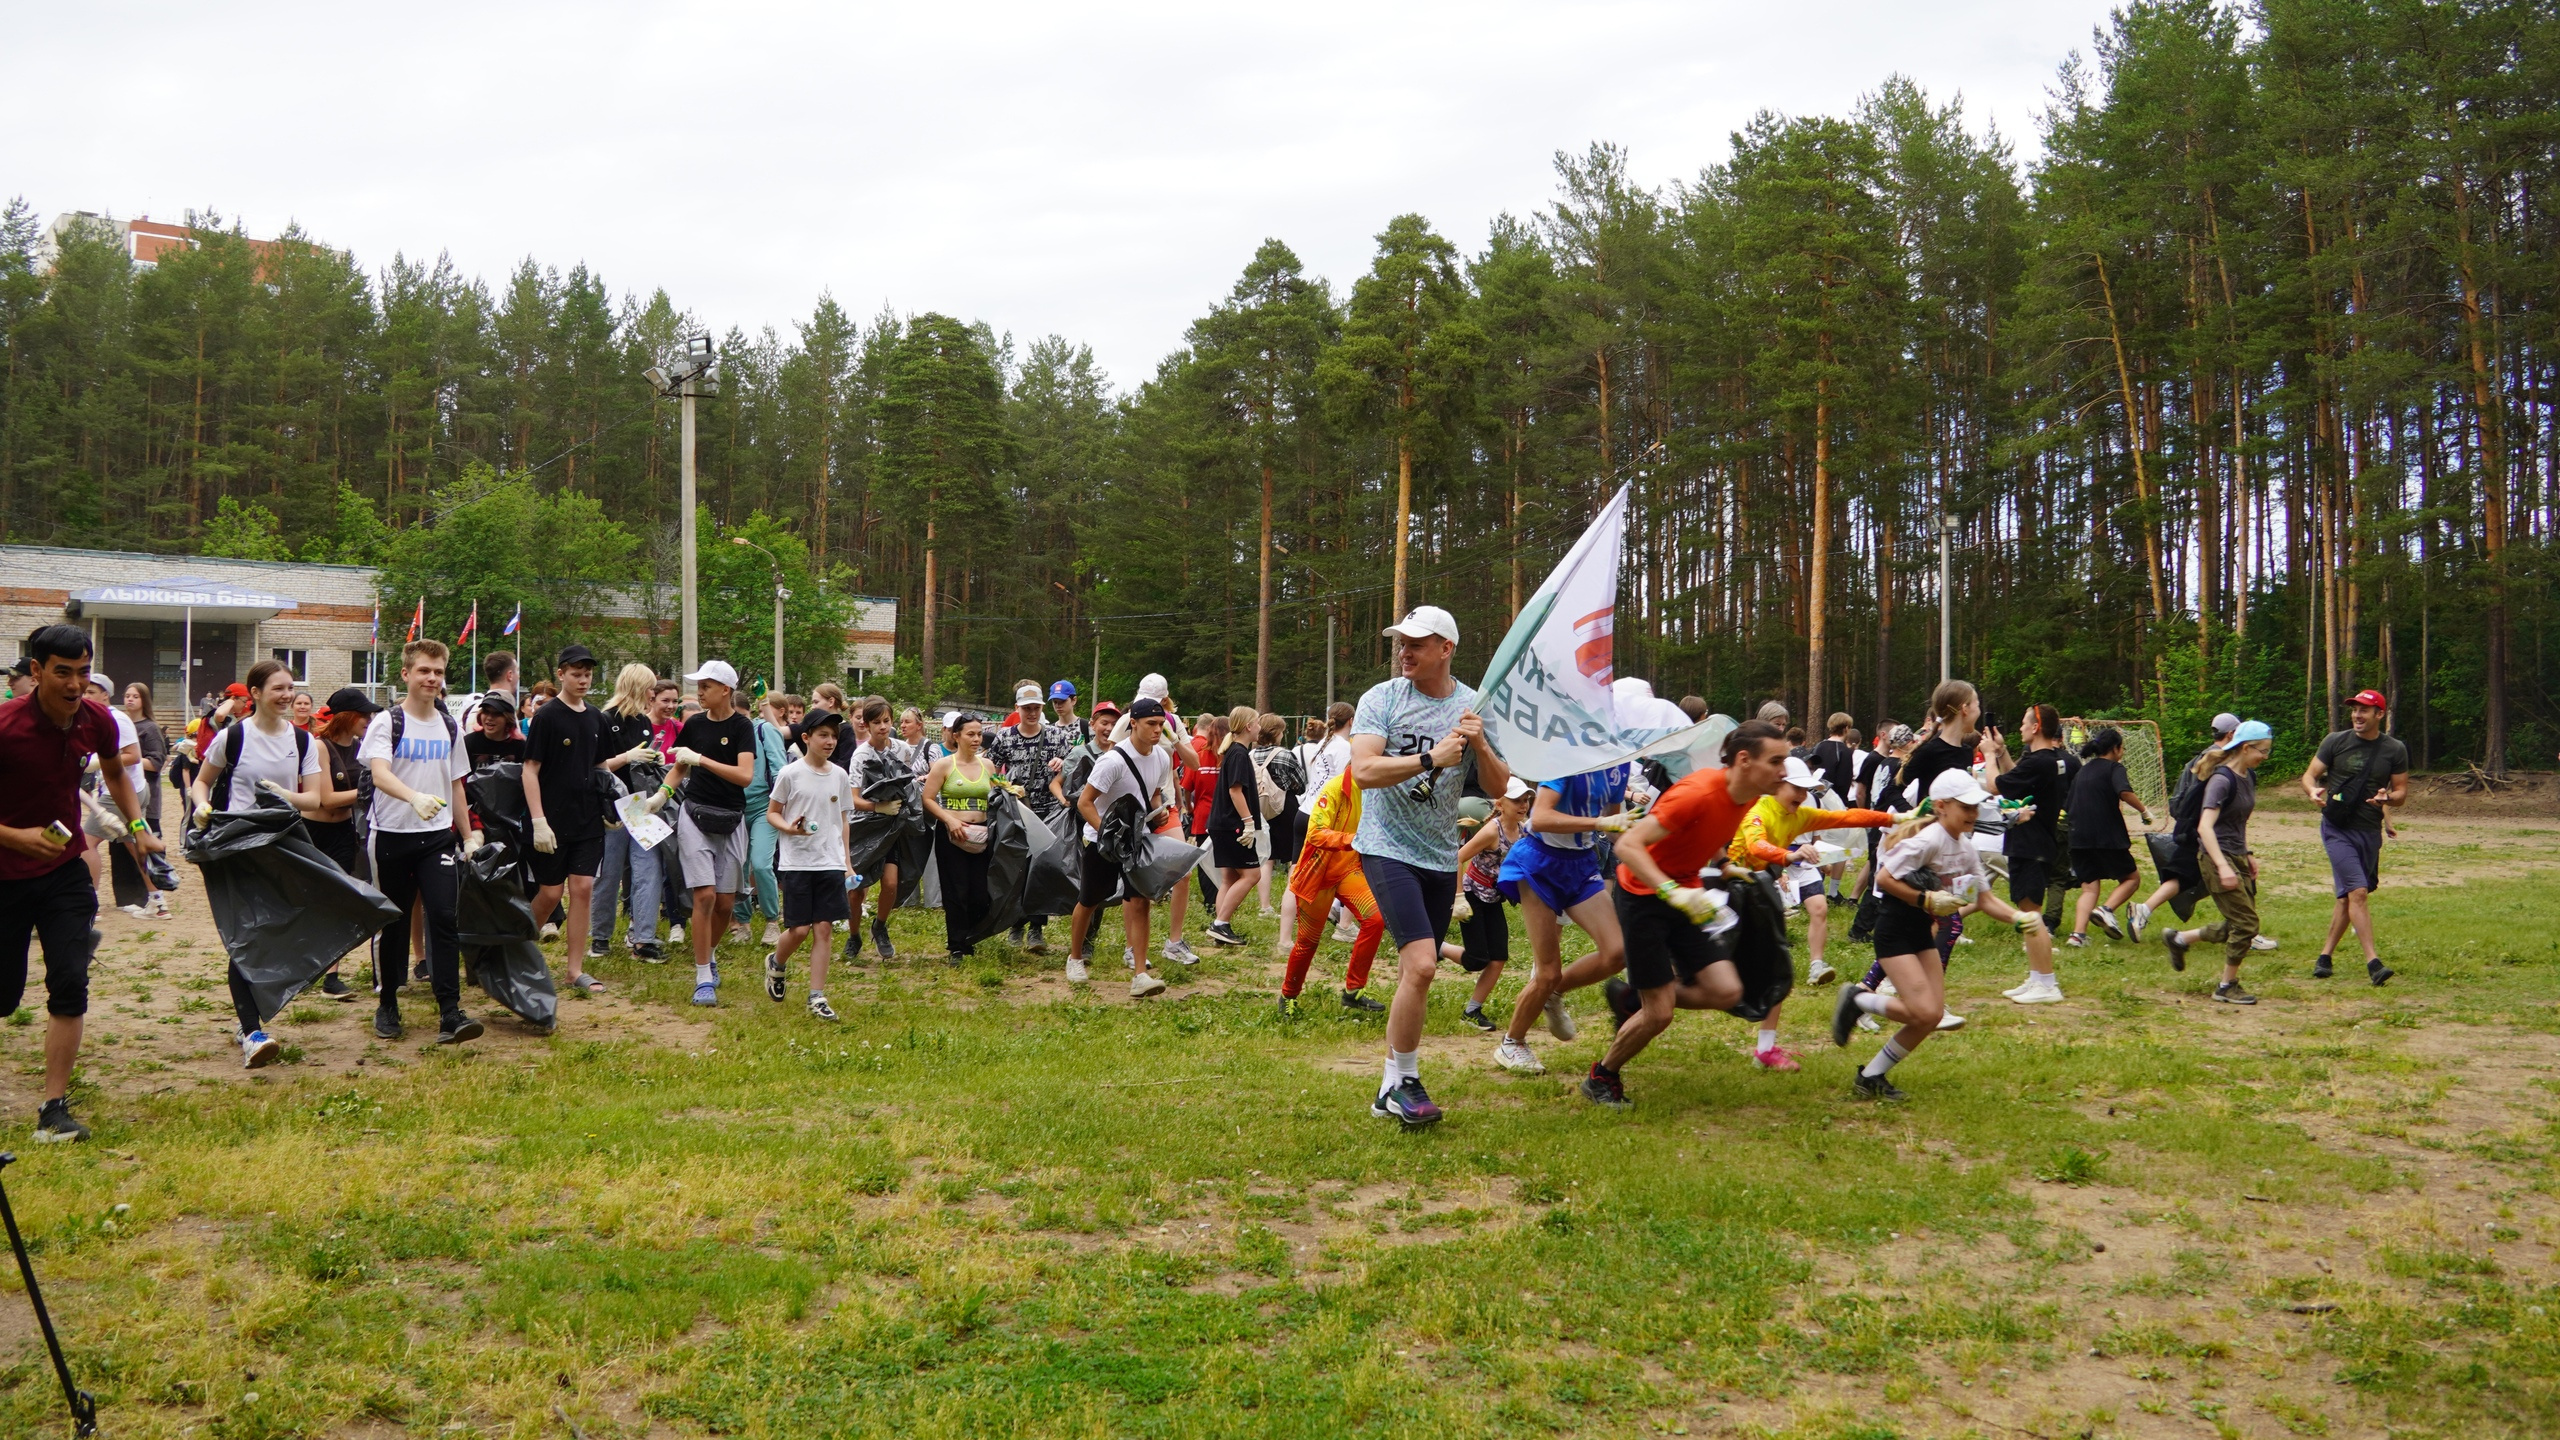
(418, 621)
(469, 625)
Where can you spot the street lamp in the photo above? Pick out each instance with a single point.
(687, 378)
(779, 595)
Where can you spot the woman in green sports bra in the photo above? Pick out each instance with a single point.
(956, 791)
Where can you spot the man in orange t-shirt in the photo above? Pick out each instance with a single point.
(1661, 908)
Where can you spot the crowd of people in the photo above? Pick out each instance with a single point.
(670, 817)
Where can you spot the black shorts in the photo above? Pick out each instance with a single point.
(56, 910)
(811, 896)
(2029, 878)
(1487, 935)
(1414, 902)
(1100, 883)
(337, 840)
(573, 857)
(1903, 929)
(1228, 851)
(1664, 946)
(2111, 864)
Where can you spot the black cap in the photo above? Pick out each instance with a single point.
(816, 718)
(348, 700)
(496, 700)
(1146, 707)
(571, 655)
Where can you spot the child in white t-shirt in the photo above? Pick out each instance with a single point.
(811, 805)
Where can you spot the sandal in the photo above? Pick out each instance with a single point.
(585, 984)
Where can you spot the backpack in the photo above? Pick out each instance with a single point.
(231, 756)
(1289, 772)
(2344, 805)
(2186, 811)
(1273, 799)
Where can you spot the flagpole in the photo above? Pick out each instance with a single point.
(474, 677)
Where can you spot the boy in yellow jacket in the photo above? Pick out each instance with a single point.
(1767, 841)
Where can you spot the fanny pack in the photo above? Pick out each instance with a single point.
(713, 819)
(973, 838)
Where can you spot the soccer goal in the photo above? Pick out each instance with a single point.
(2142, 758)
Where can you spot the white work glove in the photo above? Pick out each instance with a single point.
(204, 811)
(543, 839)
(428, 806)
(653, 802)
(1941, 903)
(1691, 901)
(91, 764)
(1462, 911)
(2030, 925)
(1614, 824)
(472, 842)
(888, 807)
(638, 752)
(1245, 836)
(278, 791)
(686, 755)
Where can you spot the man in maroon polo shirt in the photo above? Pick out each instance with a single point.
(46, 895)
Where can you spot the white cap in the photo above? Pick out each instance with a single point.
(1425, 621)
(99, 679)
(1151, 687)
(1517, 789)
(1026, 695)
(719, 670)
(1957, 786)
(950, 719)
(1801, 775)
(2225, 723)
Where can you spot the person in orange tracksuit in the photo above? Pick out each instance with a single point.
(1328, 870)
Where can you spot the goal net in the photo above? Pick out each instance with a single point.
(2142, 759)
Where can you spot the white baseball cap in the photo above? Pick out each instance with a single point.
(1425, 621)
(1517, 789)
(1957, 786)
(1151, 687)
(720, 670)
(99, 679)
(1026, 695)
(1801, 775)
(950, 719)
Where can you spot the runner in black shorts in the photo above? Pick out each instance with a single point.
(2101, 848)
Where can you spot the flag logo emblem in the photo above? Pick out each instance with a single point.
(1592, 635)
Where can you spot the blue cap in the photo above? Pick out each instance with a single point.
(2251, 730)
(1063, 690)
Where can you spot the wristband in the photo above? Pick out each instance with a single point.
(136, 826)
(667, 790)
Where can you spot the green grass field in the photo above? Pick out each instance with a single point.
(984, 1206)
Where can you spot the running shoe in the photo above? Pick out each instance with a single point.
(1144, 984)
(1518, 1058)
(2379, 973)
(2014, 991)
(258, 1050)
(1077, 971)
(386, 1023)
(336, 988)
(1179, 951)
(1037, 942)
(2140, 920)
(1223, 933)
(880, 940)
(1559, 1024)
(1408, 1104)
(1607, 1090)
(2043, 990)
(598, 949)
(1289, 1007)
(550, 932)
(2321, 969)
(2262, 942)
(1845, 1013)
(1128, 958)
(773, 976)
(648, 953)
(819, 1009)
(1623, 1003)
(1776, 1057)
(1868, 1024)
(2106, 919)
(2076, 941)
(1360, 1004)
(1947, 1020)
(768, 931)
(2177, 949)
(457, 1028)
(56, 1125)
(1014, 938)
(1819, 972)
(136, 911)
(675, 936)
(1879, 1087)
(159, 906)
(2230, 993)
(1474, 1015)
(707, 992)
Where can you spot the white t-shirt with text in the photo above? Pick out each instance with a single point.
(430, 759)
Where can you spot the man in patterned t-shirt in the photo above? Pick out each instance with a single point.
(1406, 731)
(1032, 754)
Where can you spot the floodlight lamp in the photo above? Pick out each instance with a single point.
(698, 346)
(656, 377)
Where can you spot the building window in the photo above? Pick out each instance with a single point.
(360, 665)
(298, 662)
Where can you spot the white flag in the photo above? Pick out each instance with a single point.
(1546, 699)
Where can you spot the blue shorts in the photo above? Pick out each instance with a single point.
(1413, 901)
(2355, 858)
(1561, 879)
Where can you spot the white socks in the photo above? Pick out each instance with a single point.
(1768, 1041)
(701, 974)
(1871, 1002)
(1885, 1059)
(1402, 1065)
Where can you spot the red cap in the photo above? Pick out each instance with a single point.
(236, 690)
(2372, 698)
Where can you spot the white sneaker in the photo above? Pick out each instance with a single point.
(1077, 971)
(159, 906)
(2042, 990)
(2021, 988)
(768, 933)
(1144, 984)
(1180, 952)
(550, 932)
(1885, 987)
(1559, 1024)
(675, 937)
(1868, 1024)
(1128, 958)
(1950, 1020)
(2140, 920)
(820, 1009)
(1964, 939)
(2262, 942)
(1517, 1058)
(1820, 972)
(1347, 929)
(136, 911)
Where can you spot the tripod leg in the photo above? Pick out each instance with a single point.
(84, 1406)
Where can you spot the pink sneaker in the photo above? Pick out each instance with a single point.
(1776, 1057)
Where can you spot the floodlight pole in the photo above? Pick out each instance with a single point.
(692, 620)
(1946, 614)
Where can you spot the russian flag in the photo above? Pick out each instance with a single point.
(514, 620)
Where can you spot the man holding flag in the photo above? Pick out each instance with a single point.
(1404, 733)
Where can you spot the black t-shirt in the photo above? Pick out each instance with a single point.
(1930, 759)
(2097, 816)
(1235, 772)
(621, 732)
(2348, 756)
(1835, 761)
(724, 742)
(485, 751)
(567, 744)
(2043, 779)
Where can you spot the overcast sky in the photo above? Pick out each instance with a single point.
(1101, 175)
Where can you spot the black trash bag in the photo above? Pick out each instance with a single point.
(1760, 950)
(285, 911)
(609, 794)
(1057, 866)
(915, 855)
(500, 939)
(496, 793)
(1009, 827)
(1151, 865)
(2178, 862)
